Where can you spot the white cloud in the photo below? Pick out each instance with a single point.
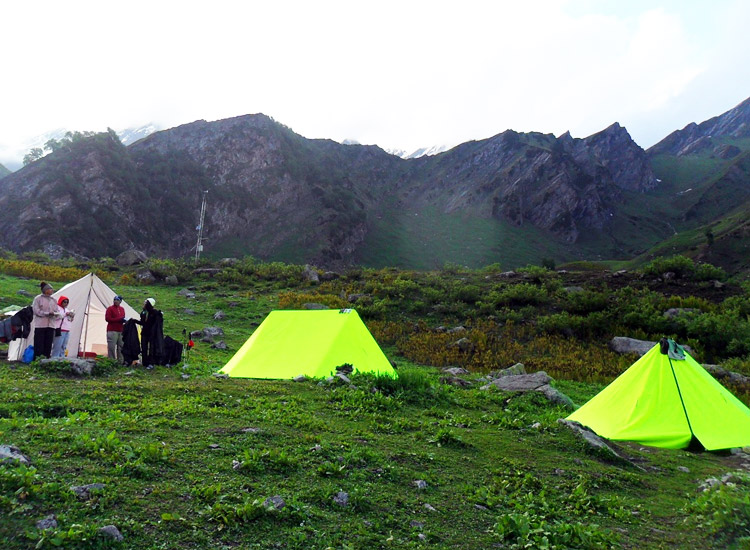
(400, 74)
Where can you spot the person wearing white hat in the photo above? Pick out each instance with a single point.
(152, 335)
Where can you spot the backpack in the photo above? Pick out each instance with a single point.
(28, 354)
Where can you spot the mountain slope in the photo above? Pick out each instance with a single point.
(705, 173)
(511, 199)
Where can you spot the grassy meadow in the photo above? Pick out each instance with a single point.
(187, 459)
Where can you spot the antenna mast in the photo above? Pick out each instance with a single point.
(199, 244)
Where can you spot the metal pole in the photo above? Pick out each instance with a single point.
(199, 245)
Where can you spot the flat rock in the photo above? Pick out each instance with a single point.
(521, 382)
(131, 257)
(10, 454)
(84, 491)
(112, 532)
(622, 344)
(78, 366)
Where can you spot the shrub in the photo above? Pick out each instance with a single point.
(522, 294)
(33, 270)
(679, 265)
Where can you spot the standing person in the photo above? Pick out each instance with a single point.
(115, 317)
(62, 330)
(152, 335)
(46, 315)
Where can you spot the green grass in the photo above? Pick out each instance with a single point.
(422, 238)
(189, 463)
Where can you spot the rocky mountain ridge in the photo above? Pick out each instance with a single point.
(277, 195)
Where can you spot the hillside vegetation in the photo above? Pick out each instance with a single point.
(189, 460)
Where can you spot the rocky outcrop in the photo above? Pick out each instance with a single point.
(697, 138)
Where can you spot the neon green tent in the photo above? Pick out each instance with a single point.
(665, 401)
(312, 342)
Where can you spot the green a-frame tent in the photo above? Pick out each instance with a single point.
(310, 342)
(666, 399)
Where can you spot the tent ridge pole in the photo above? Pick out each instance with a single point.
(684, 409)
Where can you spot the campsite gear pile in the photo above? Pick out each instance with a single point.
(90, 297)
(666, 399)
(313, 343)
(17, 326)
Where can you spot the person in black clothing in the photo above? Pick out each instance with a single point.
(152, 334)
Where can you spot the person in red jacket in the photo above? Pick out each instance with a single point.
(115, 317)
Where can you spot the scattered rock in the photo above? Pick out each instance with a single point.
(219, 315)
(464, 345)
(275, 502)
(420, 484)
(236, 465)
(341, 376)
(145, 276)
(354, 298)
(329, 276)
(10, 454)
(131, 257)
(188, 311)
(112, 532)
(310, 274)
(341, 498)
(684, 469)
(171, 280)
(557, 397)
(455, 381)
(208, 333)
(536, 425)
(521, 382)
(220, 375)
(50, 522)
(300, 378)
(429, 508)
(186, 377)
(207, 271)
(622, 344)
(187, 293)
(313, 305)
(25, 293)
(251, 430)
(594, 441)
(455, 371)
(83, 492)
(515, 370)
(219, 345)
(229, 261)
(214, 446)
(732, 377)
(78, 367)
(456, 330)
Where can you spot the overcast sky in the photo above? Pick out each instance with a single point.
(399, 74)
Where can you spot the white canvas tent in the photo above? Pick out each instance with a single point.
(89, 298)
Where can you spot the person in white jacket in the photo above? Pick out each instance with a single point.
(46, 317)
